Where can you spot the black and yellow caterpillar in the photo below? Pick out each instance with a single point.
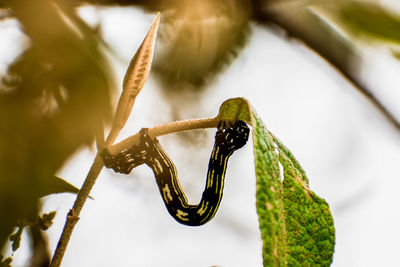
(149, 151)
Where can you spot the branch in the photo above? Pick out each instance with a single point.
(73, 215)
(97, 166)
(299, 22)
(167, 128)
(136, 76)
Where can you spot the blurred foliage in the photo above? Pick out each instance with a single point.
(369, 22)
(296, 225)
(198, 38)
(42, 222)
(52, 99)
(5, 262)
(46, 220)
(314, 23)
(16, 238)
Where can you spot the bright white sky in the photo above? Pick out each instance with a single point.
(349, 151)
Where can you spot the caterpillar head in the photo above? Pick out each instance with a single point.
(232, 136)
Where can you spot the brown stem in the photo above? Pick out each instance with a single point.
(73, 215)
(167, 128)
(134, 80)
(97, 166)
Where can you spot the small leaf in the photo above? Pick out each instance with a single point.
(16, 238)
(42, 222)
(56, 185)
(46, 220)
(235, 109)
(135, 78)
(296, 225)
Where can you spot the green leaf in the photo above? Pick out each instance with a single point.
(296, 225)
(370, 20)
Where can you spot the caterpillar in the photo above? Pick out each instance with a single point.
(149, 151)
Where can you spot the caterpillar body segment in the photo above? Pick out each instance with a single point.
(227, 139)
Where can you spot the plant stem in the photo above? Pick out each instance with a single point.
(97, 166)
(167, 128)
(73, 215)
(135, 77)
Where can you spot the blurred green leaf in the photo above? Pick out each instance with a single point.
(296, 225)
(366, 19)
(199, 38)
(42, 222)
(55, 185)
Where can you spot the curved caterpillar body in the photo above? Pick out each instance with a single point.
(149, 151)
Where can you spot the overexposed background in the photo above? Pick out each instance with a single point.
(348, 149)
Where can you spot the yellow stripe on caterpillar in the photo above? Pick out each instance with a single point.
(181, 215)
(167, 194)
(227, 139)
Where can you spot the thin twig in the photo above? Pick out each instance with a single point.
(134, 80)
(97, 166)
(73, 215)
(167, 128)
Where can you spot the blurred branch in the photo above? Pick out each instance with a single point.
(143, 3)
(40, 254)
(97, 166)
(301, 23)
